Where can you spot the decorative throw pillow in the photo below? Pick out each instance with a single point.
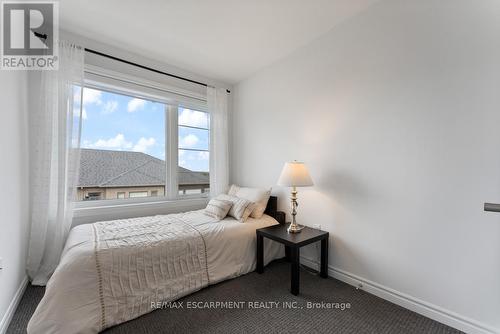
(241, 207)
(257, 195)
(233, 189)
(218, 208)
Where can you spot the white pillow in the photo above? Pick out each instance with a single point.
(259, 196)
(241, 207)
(218, 208)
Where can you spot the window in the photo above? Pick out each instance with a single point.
(124, 140)
(123, 143)
(133, 194)
(93, 196)
(194, 143)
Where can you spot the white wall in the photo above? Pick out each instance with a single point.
(14, 184)
(397, 114)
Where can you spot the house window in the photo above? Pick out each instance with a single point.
(193, 191)
(93, 196)
(134, 194)
(124, 140)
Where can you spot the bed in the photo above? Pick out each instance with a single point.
(111, 272)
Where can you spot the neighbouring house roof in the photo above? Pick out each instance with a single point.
(105, 168)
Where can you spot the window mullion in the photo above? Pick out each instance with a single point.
(171, 154)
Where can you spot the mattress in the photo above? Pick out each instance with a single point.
(114, 271)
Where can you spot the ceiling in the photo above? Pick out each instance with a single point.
(226, 40)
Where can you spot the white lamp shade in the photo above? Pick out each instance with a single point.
(295, 174)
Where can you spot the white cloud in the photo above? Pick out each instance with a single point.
(194, 160)
(89, 96)
(143, 144)
(193, 118)
(116, 143)
(135, 104)
(182, 160)
(120, 143)
(76, 112)
(110, 106)
(203, 155)
(189, 141)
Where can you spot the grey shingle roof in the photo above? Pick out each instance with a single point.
(105, 168)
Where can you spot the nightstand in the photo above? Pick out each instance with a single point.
(293, 242)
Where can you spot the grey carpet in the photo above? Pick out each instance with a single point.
(367, 314)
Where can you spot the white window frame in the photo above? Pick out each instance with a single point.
(173, 98)
(133, 194)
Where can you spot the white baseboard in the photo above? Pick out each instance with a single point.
(429, 310)
(4, 324)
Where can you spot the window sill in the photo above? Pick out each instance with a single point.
(87, 213)
(96, 204)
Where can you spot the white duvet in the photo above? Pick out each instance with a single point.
(114, 271)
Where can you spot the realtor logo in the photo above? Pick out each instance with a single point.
(29, 35)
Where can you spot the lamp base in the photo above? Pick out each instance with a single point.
(295, 228)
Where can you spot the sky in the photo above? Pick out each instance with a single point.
(117, 122)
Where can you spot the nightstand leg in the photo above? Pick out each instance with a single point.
(287, 253)
(324, 258)
(295, 255)
(260, 254)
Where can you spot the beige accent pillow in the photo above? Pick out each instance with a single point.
(241, 207)
(218, 208)
(259, 196)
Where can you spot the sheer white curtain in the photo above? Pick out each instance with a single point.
(54, 139)
(219, 149)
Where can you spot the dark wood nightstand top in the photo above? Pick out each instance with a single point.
(279, 233)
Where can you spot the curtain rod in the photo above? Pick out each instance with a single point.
(147, 68)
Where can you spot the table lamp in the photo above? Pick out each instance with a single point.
(294, 174)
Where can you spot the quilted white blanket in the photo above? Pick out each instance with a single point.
(114, 271)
